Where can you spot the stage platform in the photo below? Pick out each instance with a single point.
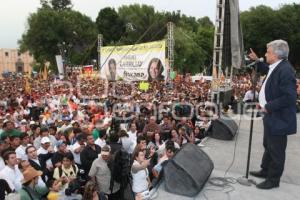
(221, 152)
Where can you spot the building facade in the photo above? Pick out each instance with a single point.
(11, 60)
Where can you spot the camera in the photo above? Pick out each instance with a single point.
(77, 185)
(73, 187)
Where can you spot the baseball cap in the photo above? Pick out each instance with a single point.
(65, 118)
(45, 140)
(59, 143)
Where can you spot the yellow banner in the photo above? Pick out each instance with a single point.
(138, 62)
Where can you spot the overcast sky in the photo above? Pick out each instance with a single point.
(14, 13)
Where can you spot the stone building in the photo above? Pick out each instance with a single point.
(11, 60)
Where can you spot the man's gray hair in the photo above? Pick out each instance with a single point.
(280, 48)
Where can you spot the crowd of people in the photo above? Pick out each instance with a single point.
(84, 138)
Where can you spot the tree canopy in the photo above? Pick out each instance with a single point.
(262, 24)
(56, 22)
(47, 28)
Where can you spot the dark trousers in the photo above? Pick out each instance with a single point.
(115, 196)
(274, 156)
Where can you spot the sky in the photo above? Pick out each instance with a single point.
(14, 13)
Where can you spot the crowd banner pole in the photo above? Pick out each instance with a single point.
(100, 44)
(171, 45)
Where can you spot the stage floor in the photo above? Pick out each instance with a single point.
(221, 152)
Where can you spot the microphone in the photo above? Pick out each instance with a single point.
(255, 62)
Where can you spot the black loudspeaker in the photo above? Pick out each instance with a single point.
(188, 171)
(224, 98)
(223, 129)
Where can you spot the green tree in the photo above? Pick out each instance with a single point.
(110, 25)
(188, 23)
(145, 23)
(193, 50)
(60, 5)
(289, 16)
(262, 24)
(193, 44)
(256, 25)
(47, 28)
(205, 41)
(205, 22)
(56, 22)
(172, 16)
(193, 37)
(57, 5)
(45, 3)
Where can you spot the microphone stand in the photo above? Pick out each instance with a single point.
(244, 180)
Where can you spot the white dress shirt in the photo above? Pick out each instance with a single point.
(139, 179)
(128, 144)
(12, 176)
(2, 163)
(262, 95)
(20, 152)
(132, 136)
(100, 142)
(249, 95)
(76, 155)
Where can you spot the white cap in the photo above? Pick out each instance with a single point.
(23, 121)
(107, 120)
(45, 140)
(50, 121)
(31, 122)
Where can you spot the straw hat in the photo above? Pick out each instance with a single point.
(30, 173)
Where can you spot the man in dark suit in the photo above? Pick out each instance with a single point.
(39, 162)
(277, 100)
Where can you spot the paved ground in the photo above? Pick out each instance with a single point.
(221, 152)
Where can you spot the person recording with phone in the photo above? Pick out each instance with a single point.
(277, 100)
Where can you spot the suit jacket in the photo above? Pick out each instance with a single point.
(42, 167)
(281, 97)
(87, 156)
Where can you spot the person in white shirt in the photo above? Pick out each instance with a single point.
(2, 146)
(127, 144)
(38, 164)
(132, 133)
(20, 151)
(46, 149)
(44, 133)
(140, 174)
(277, 100)
(77, 148)
(249, 96)
(101, 140)
(11, 173)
